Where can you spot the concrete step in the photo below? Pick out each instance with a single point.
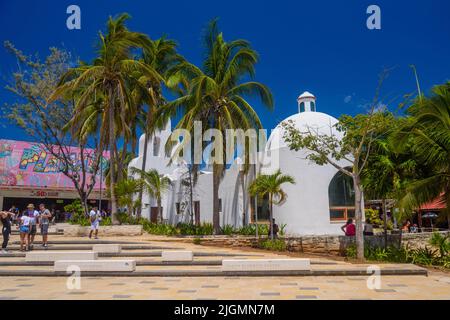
(107, 248)
(60, 255)
(38, 247)
(159, 253)
(177, 255)
(266, 265)
(95, 266)
(218, 273)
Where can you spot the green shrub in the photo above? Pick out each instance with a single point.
(197, 241)
(350, 251)
(228, 230)
(273, 245)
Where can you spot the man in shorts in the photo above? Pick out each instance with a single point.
(94, 217)
(44, 221)
(33, 215)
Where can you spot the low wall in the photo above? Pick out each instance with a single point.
(122, 230)
(335, 245)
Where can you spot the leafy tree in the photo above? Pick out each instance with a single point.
(349, 155)
(125, 190)
(33, 84)
(111, 78)
(270, 184)
(216, 94)
(154, 184)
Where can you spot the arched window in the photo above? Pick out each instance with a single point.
(341, 197)
(156, 143)
(302, 107)
(313, 106)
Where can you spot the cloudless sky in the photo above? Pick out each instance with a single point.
(320, 46)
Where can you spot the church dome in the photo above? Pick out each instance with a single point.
(305, 120)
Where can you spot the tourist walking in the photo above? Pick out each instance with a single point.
(15, 217)
(275, 230)
(368, 228)
(44, 221)
(24, 228)
(349, 228)
(94, 217)
(5, 218)
(33, 215)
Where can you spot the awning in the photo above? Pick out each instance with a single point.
(436, 204)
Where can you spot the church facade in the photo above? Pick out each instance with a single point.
(319, 203)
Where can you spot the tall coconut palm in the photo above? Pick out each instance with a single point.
(428, 125)
(155, 185)
(270, 185)
(161, 56)
(111, 75)
(216, 95)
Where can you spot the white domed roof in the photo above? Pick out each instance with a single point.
(317, 121)
(306, 94)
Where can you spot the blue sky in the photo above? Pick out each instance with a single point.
(320, 46)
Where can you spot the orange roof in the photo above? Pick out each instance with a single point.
(436, 204)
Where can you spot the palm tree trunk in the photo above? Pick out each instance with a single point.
(112, 160)
(216, 182)
(385, 223)
(244, 202)
(160, 210)
(358, 218)
(271, 216)
(191, 195)
(144, 164)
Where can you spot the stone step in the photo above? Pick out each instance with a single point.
(107, 248)
(38, 247)
(159, 253)
(60, 255)
(177, 255)
(218, 273)
(266, 265)
(70, 266)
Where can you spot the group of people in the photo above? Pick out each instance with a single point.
(350, 229)
(27, 222)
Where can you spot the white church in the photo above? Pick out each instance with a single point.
(318, 204)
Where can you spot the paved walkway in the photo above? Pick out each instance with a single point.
(435, 286)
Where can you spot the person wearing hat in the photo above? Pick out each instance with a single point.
(33, 215)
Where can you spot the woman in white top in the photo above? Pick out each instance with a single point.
(24, 227)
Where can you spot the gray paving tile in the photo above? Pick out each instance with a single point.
(309, 288)
(306, 297)
(77, 292)
(121, 296)
(206, 299)
(335, 281)
(9, 290)
(25, 285)
(147, 281)
(385, 290)
(187, 291)
(8, 298)
(159, 288)
(270, 293)
(172, 280)
(397, 285)
(117, 284)
(359, 299)
(210, 286)
(288, 283)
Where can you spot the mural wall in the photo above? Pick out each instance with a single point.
(27, 164)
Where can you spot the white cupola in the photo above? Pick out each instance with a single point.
(306, 102)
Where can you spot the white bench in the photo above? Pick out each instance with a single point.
(266, 265)
(95, 265)
(170, 255)
(46, 256)
(107, 248)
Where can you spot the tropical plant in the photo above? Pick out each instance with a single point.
(154, 184)
(125, 191)
(104, 89)
(428, 126)
(216, 94)
(270, 185)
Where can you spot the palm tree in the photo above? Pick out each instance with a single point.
(428, 125)
(160, 55)
(270, 184)
(111, 76)
(125, 191)
(215, 96)
(154, 184)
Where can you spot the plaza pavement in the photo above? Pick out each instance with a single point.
(434, 286)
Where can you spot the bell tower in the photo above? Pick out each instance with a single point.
(306, 102)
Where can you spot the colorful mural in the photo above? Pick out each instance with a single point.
(27, 164)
